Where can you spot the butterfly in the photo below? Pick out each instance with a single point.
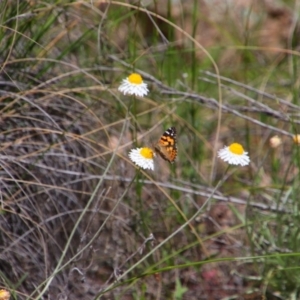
(167, 145)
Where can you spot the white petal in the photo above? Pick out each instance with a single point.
(232, 158)
(139, 90)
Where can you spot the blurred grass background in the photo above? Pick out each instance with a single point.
(78, 221)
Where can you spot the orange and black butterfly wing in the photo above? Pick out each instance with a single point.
(167, 145)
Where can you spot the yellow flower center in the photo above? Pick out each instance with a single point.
(135, 78)
(236, 148)
(296, 139)
(147, 153)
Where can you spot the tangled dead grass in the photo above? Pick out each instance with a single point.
(55, 145)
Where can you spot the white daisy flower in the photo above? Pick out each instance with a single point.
(134, 85)
(234, 155)
(143, 157)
